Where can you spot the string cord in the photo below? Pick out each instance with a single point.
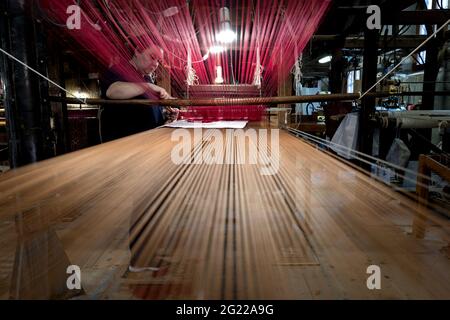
(83, 101)
(405, 58)
(359, 155)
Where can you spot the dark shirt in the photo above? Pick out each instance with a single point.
(119, 121)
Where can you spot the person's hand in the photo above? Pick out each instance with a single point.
(171, 114)
(163, 94)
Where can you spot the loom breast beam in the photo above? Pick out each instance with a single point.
(214, 231)
(245, 101)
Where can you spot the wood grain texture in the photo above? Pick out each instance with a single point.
(214, 231)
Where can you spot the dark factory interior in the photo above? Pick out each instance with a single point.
(224, 149)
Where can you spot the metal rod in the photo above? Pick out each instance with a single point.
(243, 101)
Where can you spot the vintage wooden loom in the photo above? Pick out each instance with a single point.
(214, 231)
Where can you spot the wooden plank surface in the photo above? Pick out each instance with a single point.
(215, 231)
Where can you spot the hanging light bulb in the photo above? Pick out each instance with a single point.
(226, 34)
(219, 77)
(325, 59)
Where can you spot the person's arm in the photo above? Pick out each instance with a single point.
(127, 90)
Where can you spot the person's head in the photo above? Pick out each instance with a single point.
(147, 60)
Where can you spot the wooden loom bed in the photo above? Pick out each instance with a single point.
(215, 231)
